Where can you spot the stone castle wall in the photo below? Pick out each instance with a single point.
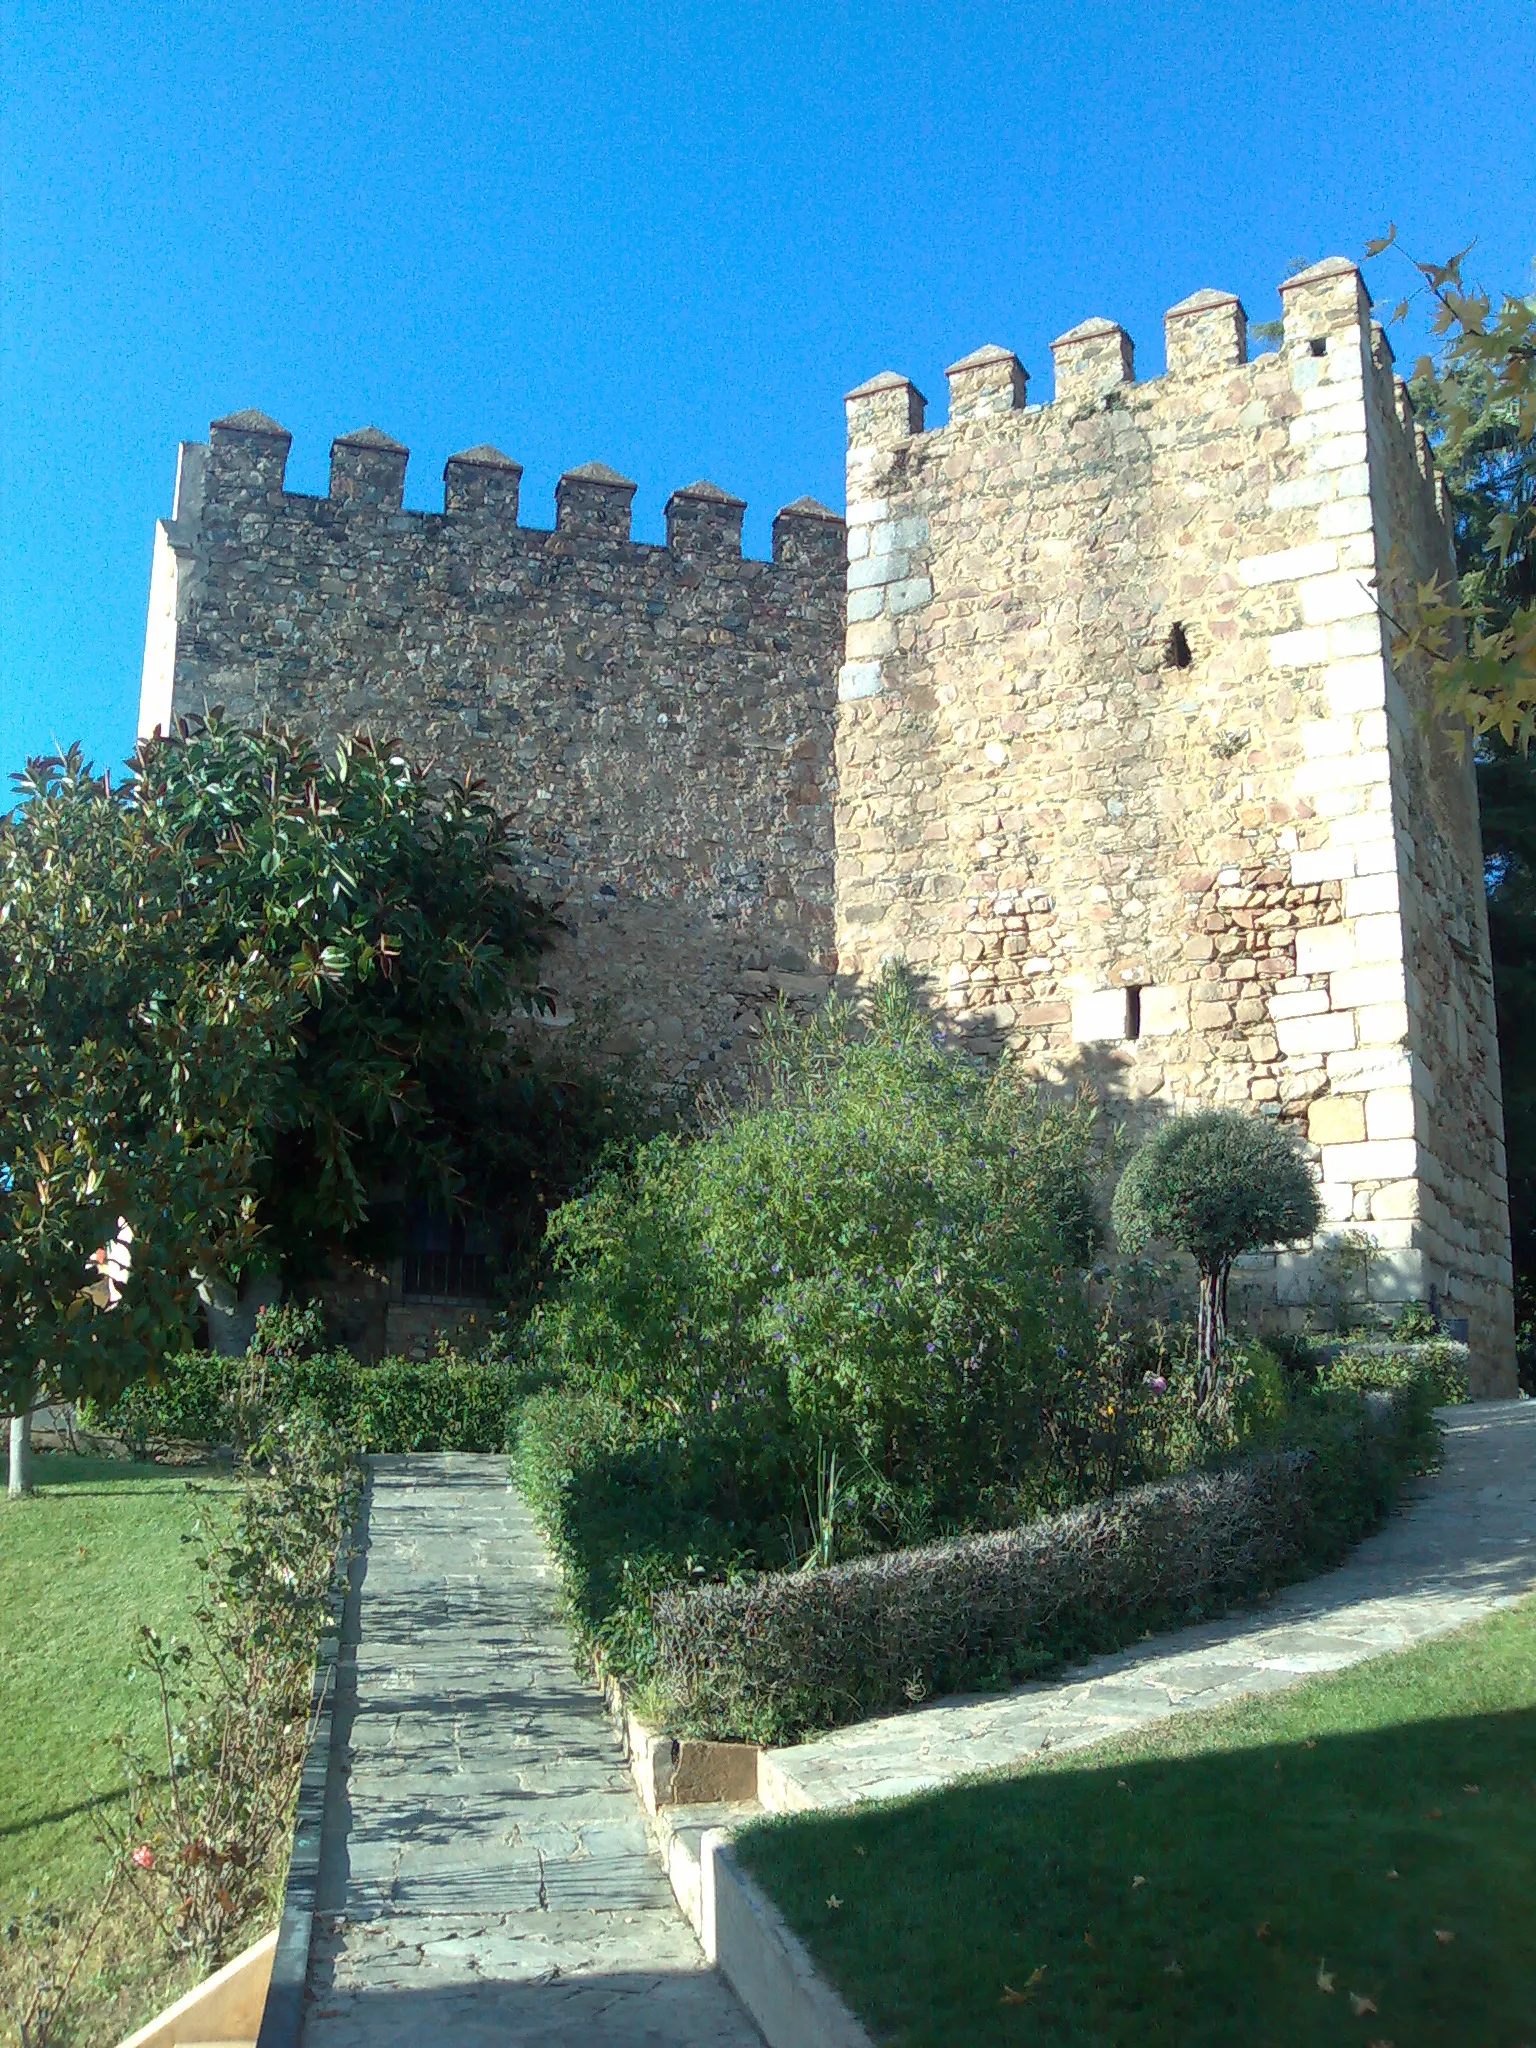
(657, 719)
(1125, 771)
(1108, 745)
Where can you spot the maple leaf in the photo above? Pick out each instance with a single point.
(1324, 1976)
(1392, 1874)
(834, 1902)
(1360, 2005)
(1135, 1881)
(1472, 1788)
(1031, 1984)
(1444, 1936)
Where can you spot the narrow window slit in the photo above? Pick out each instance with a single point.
(1133, 1013)
(1177, 654)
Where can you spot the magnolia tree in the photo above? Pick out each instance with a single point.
(136, 1069)
(1215, 1184)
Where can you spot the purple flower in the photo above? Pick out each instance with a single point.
(1157, 1383)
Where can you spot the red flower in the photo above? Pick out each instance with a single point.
(143, 1857)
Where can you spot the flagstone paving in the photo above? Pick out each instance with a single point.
(1463, 1544)
(486, 1871)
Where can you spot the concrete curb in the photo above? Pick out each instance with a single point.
(766, 1965)
(673, 1770)
(282, 2017)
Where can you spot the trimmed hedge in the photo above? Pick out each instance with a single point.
(397, 1405)
(1437, 1363)
(771, 1656)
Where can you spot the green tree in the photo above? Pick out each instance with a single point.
(1478, 392)
(393, 902)
(136, 1067)
(1215, 1184)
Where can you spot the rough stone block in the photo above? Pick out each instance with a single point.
(1164, 1011)
(1336, 1120)
(1101, 1017)
(1386, 1159)
(1332, 1033)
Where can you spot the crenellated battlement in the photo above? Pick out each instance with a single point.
(246, 456)
(1090, 713)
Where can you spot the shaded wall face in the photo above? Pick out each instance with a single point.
(658, 721)
(1125, 774)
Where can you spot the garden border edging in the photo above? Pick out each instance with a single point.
(282, 2016)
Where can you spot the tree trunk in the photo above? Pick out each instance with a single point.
(1213, 1333)
(21, 1456)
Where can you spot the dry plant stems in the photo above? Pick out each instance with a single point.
(207, 1817)
(45, 1993)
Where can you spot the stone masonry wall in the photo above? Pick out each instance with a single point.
(657, 719)
(1125, 772)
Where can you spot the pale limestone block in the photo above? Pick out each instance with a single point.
(1344, 596)
(1102, 1016)
(865, 604)
(1369, 895)
(1376, 856)
(871, 638)
(1378, 938)
(867, 511)
(858, 679)
(1373, 729)
(1329, 395)
(996, 753)
(1383, 1024)
(1397, 1198)
(1322, 864)
(1331, 1033)
(1305, 649)
(1164, 1011)
(1399, 1276)
(1386, 1159)
(1324, 948)
(1338, 1200)
(1306, 1002)
(890, 536)
(1296, 493)
(1348, 638)
(1358, 987)
(1391, 1113)
(1359, 685)
(1354, 482)
(1338, 452)
(1376, 825)
(1336, 1120)
(1374, 1066)
(1323, 737)
(1346, 516)
(1317, 559)
(876, 569)
(1354, 771)
(1359, 553)
(909, 596)
(858, 543)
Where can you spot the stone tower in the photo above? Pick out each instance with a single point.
(1127, 773)
(1109, 747)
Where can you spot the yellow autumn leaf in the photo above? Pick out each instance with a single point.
(1360, 2005)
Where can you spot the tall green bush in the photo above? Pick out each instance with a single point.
(876, 1264)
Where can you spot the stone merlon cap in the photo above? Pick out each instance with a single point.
(599, 473)
(989, 352)
(810, 508)
(1202, 302)
(1331, 266)
(486, 457)
(888, 380)
(1086, 330)
(712, 493)
(253, 422)
(370, 437)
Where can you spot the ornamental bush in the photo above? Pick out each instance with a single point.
(852, 1302)
(1216, 1184)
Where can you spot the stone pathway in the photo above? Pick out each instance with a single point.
(486, 1874)
(1464, 1545)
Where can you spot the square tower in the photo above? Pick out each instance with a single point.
(1128, 776)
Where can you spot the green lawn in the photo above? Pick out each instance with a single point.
(96, 1551)
(1374, 1833)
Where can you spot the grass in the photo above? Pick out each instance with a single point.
(1372, 1832)
(95, 1552)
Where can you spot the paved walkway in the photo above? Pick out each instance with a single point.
(486, 1874)
(1465, 1545)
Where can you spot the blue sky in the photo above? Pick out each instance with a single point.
(664, 236)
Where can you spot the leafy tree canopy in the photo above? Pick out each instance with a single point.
(136, 1067)
(392, 905)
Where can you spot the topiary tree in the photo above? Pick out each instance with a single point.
(1216, 1184)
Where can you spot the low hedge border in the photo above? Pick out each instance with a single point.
(396, 1405)
(1441, 1364)
(770, 1657)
